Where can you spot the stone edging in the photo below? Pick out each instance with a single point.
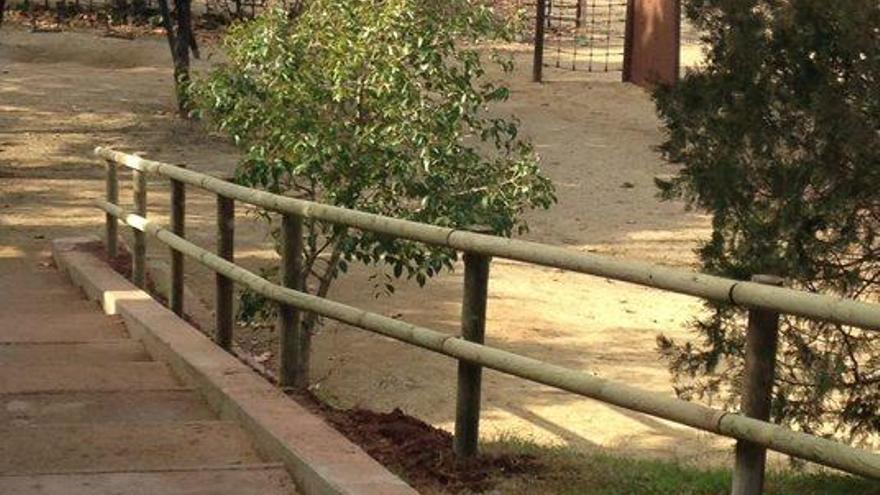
(320, 459)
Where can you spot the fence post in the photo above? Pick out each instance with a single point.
(538, 61)
(224, 286)
(760, 365)
(139, 255)
(112, 224)
(628, 40)
(473, 329)
(178, 226)
(295, 341)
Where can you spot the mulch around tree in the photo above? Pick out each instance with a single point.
(418, 452)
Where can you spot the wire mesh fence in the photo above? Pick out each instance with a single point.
(585, 35)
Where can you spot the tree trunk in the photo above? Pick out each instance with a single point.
(180, 41)
(310, 322)
(2, 10)
(185, 30)
(181, 55)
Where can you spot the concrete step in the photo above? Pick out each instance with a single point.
(21, 285)
(103, 407)
(16, 277)
(28, 303)
(247, 480)
(63, 377)
(76, 308)
(54, 449)
(57, 326)
(119, 350)
(42, 285)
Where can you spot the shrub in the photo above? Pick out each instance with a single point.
(777, 136)
(381, 107)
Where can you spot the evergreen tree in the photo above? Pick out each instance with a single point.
(777, 136)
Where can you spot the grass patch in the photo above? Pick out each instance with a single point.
(567, 471)
(422, 455)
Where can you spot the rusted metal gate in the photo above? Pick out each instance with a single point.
(653, 43)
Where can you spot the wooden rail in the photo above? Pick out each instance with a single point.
(765, 299)
(741, 293)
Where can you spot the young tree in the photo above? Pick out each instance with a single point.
(380, 107)
(777, 136)
(181, 39)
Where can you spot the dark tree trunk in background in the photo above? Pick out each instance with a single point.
(181, 40)
(185, 30)
(180, 54)
(2, 10)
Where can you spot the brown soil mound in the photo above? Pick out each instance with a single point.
(423, 454)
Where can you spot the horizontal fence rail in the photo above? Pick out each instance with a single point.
(742, 293)
(775, 437)
(764, 297)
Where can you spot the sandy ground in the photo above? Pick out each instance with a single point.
(61, 94)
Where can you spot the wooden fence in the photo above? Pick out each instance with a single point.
(763, 296)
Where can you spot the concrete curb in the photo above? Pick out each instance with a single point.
(320, 459)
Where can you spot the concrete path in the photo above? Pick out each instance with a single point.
(85, 411)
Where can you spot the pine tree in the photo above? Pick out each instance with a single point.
(777, 136)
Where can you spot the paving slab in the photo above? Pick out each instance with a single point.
(54, 449)
(61, 377)
(120, 350)
(103, 407)
(271, 480)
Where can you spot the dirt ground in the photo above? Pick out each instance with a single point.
(61, 94)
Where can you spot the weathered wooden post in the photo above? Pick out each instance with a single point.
(540, 21)
(112, 224)
(295, 340)
(223, 286)
(139, 255)
(178, 226)
(760, 367)
(473, 329)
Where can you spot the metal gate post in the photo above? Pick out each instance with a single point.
(653, 42)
